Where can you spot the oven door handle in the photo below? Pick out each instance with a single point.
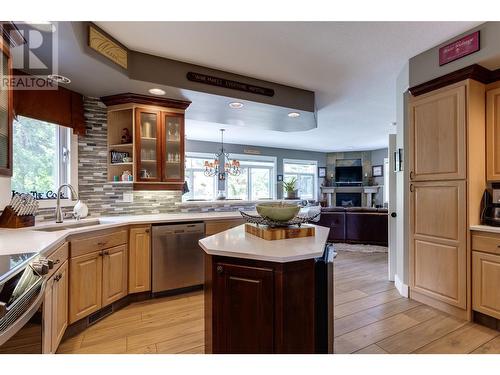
(24, 318)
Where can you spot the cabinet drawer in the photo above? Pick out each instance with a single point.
(96, 241)
(59, 256)
(217, 226)
(487, 242)
(485, 281)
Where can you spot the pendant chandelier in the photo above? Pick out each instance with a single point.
(222, 164)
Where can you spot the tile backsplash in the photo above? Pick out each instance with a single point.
(102, 197)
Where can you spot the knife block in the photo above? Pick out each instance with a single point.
(9, 219)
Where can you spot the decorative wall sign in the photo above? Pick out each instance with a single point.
(228, 84)
(459, 48)
(42, 196)
(118, 156)
(378, 171)
(280, 178)
(321, 172)
(251, 151)
(107, 47)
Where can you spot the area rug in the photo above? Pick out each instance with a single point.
(357, 248)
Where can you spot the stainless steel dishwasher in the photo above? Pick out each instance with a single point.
(177, 257)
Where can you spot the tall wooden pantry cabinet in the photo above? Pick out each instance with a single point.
(447, 179)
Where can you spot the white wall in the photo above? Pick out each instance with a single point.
(402, 84)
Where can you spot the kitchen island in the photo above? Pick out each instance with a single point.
(264, 296)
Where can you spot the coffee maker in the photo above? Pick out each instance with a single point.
(490, 211)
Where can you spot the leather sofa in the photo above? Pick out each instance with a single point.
(356, 224)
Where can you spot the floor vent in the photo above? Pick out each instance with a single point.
(94, 318)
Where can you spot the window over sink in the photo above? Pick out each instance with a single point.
(42, 156)
(256, 180)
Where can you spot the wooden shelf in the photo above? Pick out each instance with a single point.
(148, 139)
(149, 161)
(172, 162)
(118, 164)
(121, 182)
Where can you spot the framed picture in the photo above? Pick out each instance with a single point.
(321, 172)
(378, 171)
(280, 177)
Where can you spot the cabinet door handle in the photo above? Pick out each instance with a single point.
(106, 252)
(146, 231)
(411, 188)
(412, 175)
(220, 269)
(101, 243)
(101, 253)
(57, 261)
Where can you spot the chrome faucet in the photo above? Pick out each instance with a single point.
(59, 214)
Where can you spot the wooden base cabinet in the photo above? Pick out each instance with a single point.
(56, 308)
(85, 285)
(98, 272)
(114, 274)
(485, 283)
(139, 259)
(259, 307)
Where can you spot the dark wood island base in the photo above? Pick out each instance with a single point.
(254, 306)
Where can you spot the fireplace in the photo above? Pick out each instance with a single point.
(348, 199)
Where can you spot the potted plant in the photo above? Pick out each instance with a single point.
(291, 191)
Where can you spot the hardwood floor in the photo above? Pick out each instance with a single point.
(166, 325)
(370, 317)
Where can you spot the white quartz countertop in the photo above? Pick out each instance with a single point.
(237, 243)
(485, 228)
(15, 241)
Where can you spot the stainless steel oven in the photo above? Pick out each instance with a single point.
(22, 287)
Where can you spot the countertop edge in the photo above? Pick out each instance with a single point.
(485, 228)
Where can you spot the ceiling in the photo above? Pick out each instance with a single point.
(351, 67)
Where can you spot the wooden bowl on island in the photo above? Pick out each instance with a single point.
(278, 211)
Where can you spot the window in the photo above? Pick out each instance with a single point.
(256, 180)
(41, 156)
(306, 174)
(200, 186)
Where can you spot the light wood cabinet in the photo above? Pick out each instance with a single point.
(98, 271)
(60, 305)
(139, 259)
(485, 282)
(493, 135)
(55, 312)
(85, 285)
(114, 274)
(438, 132)
(438, 243)
(447, 175)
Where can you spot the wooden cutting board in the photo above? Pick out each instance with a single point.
(270, 234)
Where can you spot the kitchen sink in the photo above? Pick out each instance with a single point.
(63, 226)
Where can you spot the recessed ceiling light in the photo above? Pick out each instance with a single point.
(294, 114)
(58, 78)
(156, 91)
(236, 105)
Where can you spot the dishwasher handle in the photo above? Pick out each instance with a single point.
(179, 229)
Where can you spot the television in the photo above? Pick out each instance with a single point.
(349, 174)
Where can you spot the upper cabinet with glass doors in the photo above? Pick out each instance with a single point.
(146, 141)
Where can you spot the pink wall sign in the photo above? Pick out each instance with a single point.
(459, 48)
